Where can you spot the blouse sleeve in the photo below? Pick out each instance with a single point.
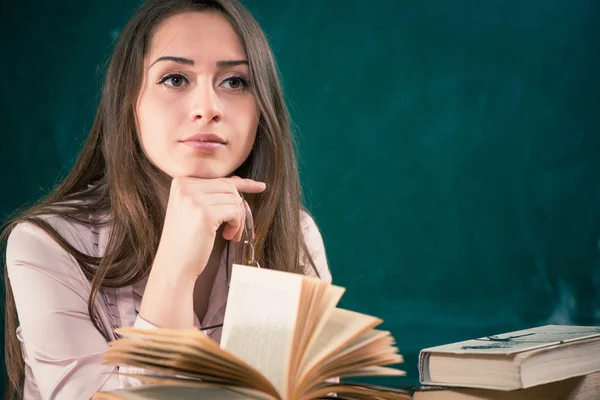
(62, 348)
(316, 247)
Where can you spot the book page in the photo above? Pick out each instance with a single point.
(331, 299)
(161, 392)
(260, 320)
(314, 291)
(341, 328)
(318, 317)
(183, 352)
(360, 391)
(372, 349)
(376, 371)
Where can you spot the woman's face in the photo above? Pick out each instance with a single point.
(195, 114)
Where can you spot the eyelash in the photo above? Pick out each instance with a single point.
(242, 78)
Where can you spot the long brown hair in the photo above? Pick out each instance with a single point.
(113, 176)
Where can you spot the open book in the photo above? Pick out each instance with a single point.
(514, 360)
(283, 337)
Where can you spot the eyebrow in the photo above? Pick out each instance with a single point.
(231, 63)
(187, 61)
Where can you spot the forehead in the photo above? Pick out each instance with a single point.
(201, 36)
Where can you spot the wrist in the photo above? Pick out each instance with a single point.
(172, 274)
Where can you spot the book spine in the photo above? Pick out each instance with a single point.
(424, 376)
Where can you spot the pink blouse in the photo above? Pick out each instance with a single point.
(62, 349)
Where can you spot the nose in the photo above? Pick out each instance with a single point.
(206, 105)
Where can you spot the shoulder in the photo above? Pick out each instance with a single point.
(77, 233)
(310, 230)
(29, 246)
(315, 246)
(307, 222)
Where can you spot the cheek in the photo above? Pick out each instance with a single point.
(247, 117)
(150, 127)
(152, 109)
(145, 133)
(155, 116)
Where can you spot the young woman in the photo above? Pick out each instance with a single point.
(144, 229)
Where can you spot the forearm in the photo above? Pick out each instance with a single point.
(168, 299)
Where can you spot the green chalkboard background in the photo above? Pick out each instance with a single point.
(449, 150)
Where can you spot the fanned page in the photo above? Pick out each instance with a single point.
(260, 320)
(324, 310)
(317, 315)
(375, 371)
(187, 353)
(314, 290)
(171, 387)
(373, 348)
(340, 329)
(359, 391)
(161, 392)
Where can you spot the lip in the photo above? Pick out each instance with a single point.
(206, 147)
(205, 137)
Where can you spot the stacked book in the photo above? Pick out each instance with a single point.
(547, 362)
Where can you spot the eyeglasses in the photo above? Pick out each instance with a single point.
(248, 251)
(248, 238)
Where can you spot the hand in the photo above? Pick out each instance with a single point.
(196, 209)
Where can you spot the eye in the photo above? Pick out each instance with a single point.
(236, 83)
(173, 80)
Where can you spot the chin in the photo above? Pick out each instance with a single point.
(206, 172)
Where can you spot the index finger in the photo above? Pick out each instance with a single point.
(246, 185)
